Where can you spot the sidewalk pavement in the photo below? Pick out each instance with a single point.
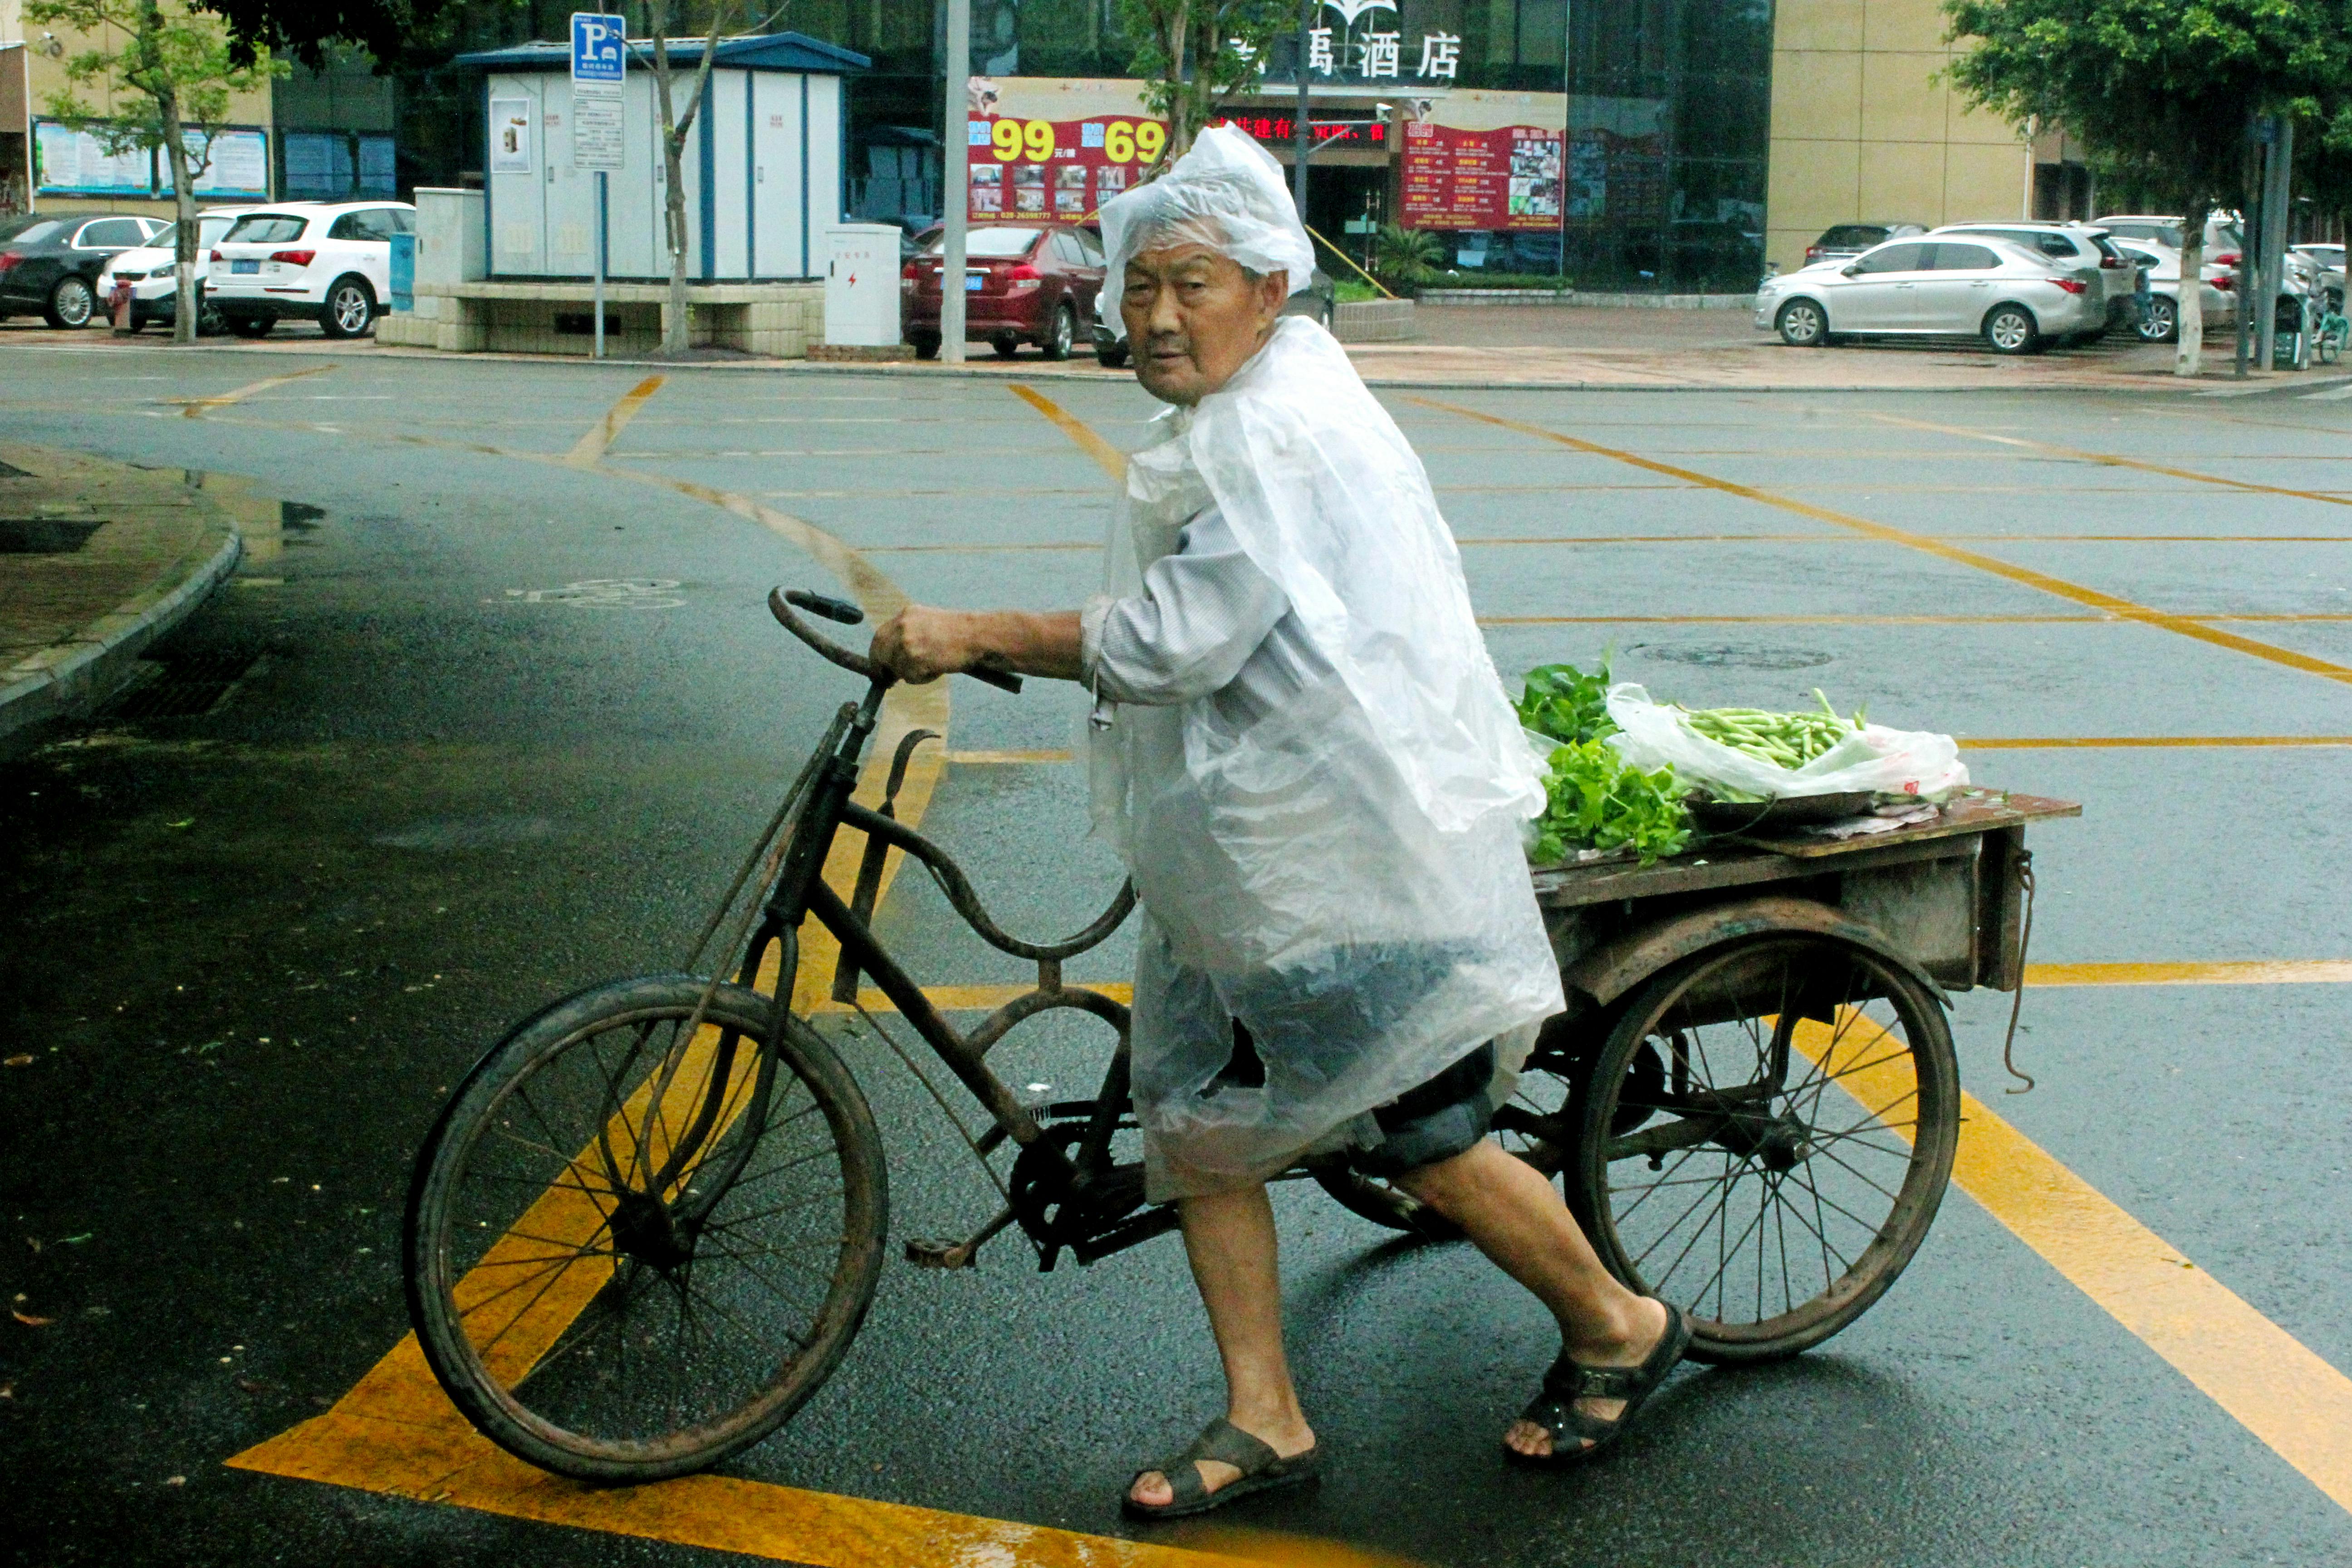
(1559, 348)
(98, 559)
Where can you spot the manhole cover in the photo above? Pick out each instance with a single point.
(1737, 656)
(46, 535)
(179, 684)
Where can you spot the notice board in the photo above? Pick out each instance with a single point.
(1507, 178)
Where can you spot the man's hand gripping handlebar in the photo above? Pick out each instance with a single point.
(781, 603)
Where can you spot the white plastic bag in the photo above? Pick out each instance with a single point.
(1878, 759)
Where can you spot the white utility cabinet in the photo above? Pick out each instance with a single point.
(861, 283)
(762, 169)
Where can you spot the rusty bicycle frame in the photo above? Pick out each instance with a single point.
(1065, 1191)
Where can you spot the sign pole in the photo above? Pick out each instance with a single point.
(1302, 139)
(599, 138)
(955, 176)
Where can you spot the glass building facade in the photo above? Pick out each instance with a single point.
(1666, 107)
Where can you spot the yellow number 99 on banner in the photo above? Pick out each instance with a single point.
(1012, 139)
(1005, 136)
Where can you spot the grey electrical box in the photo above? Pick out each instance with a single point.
(763, 166)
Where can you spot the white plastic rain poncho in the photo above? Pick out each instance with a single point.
(1327, 846)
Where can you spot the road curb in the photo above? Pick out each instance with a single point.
(78, 673)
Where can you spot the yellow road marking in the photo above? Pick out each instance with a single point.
(2092, 598)
(1948, 538)
(2111, 619)
(2109, 460)
(985, 759)
(2269, 1382)
(444, 1462)
(2238, 971)
(2023, 743)
(193, 407)
(590, 449)
(1111, 458)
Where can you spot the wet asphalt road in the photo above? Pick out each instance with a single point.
(249, 950)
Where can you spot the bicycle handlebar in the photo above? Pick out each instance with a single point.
(781, 602)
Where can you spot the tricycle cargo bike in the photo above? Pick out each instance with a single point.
(647, 1226)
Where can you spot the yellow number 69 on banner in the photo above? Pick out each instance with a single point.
(1123, 142)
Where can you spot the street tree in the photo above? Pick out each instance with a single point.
(1192, 56)
(2161, 88)
(166, 76)
(387, 29)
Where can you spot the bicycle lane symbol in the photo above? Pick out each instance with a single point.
(606, 593)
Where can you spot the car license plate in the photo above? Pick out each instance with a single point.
(244, 267)
(971, 283)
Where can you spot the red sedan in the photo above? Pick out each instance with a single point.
(1025, 284)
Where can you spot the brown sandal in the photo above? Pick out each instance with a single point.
(1261, 1469)
(1554, 1409)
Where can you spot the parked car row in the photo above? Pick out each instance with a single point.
(329, 262)
(2020, 285)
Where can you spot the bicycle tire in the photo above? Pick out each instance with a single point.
(1783, 1137)
(629, 1210)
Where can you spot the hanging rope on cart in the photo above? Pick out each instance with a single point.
(2024, 945)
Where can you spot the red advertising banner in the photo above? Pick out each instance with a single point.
(1056, 170)
(1503, 179)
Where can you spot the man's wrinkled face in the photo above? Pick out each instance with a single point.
(1193, 317)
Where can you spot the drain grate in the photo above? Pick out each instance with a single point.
(181, 685)
(46, 535)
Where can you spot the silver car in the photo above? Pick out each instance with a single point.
(2017, 299)
(2072, 246)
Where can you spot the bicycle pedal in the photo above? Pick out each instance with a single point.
(936, 1252)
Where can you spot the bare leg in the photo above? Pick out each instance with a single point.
(1229, 1238)
(1518, 1218)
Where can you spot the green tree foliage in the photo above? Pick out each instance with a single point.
(1405, 255)
(2162, 89)
(387, 29)
(167, 75)
(1194, 55)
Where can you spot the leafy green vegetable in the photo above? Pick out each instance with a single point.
(1563, 702)
(1599, 801)
(1596, 799)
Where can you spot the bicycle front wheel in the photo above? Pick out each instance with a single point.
(633, 1249)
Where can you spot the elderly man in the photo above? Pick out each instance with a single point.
(1303, 753)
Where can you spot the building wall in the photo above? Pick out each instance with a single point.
(1862, 132)
(46, 76)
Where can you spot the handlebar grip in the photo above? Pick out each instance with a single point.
(1002, 679)
(841, 610)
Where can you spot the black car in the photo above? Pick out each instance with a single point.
(50, 264)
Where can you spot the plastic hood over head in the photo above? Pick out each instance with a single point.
(1227, 194)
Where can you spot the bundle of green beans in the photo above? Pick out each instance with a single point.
(1786, 740)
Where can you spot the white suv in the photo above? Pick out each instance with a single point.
(328, 263)
(148, 273)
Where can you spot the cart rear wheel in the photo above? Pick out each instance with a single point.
(1767, 1136)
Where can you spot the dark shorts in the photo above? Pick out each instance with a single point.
(1441, 1118)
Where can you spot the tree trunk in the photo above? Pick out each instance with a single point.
(183, 235)
(674, 131)
(2189, 310)
(1180, 129)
